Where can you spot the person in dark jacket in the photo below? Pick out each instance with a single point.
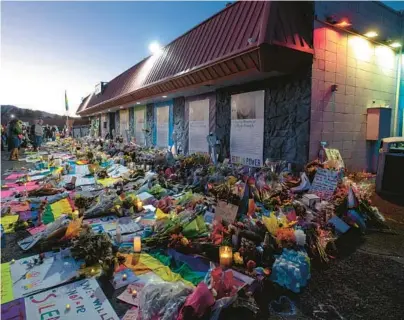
(14, 140)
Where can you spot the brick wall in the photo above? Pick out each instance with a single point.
(365, 74)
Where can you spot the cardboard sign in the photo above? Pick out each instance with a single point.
(226, 211)
(85, 298)
(28, 278)
(324, 184)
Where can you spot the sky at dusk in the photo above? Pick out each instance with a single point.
(50, 47)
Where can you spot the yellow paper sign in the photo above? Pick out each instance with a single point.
(108, 181)
(8, 221)
(6, 284)
(60, 207)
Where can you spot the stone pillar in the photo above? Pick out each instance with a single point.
(287, 120)
(149, 123)
(117, 124)
(223, 120)
(132, 121)
(180, 124)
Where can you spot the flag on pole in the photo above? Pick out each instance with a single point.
(66, 102)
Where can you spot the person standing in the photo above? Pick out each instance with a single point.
(14, 138)
(38, 131)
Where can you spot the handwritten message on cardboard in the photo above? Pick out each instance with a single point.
(226, 211)
(324, 184)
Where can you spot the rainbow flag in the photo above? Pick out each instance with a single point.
(66, 102)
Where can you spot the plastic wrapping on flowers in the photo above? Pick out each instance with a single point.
(163, 300)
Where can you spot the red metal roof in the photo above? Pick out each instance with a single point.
(225, 44)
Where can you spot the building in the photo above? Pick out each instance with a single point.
(271, 79)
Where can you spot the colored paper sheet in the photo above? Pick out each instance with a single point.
(20, 206)
(27, 215)
(8, 221)
(60, 207)
(36, 230)
(127, 295)
(13, 310)
(15, 176)
(107, 182)
(6, 285)
(120, 281)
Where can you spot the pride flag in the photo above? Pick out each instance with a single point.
(66, 102)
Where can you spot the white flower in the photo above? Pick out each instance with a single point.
(300, 237)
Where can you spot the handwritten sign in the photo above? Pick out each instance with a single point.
(86, 300)
(6, 285)
(324, 184)
(13, 310)
(226, 211)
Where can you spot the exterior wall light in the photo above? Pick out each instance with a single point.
(371, 34)
(395, 44)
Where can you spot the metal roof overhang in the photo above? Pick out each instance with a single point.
(259, 61)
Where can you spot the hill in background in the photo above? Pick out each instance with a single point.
(28, 115)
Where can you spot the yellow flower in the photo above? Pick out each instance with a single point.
(184, 241)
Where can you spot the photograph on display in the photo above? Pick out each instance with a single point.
(246, 106)
(247, 128)
(197, 112)
(162, 115)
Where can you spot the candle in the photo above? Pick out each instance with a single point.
(92, 271)
(68, 307)
(124, 276)
(225, 256)
(134, 292)
(139, 206)
(137, 244)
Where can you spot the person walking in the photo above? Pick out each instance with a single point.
(14, 138)
(3, 137)
(38, 132)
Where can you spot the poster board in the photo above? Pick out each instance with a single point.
(334, 154)
(247, 128)
(198, 126)
(85, 297)
(324, 184)
(53, 271)
(124, 123)
(162, 128)
(226, 211)
(140, 124)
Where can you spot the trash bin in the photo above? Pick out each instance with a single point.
(390, 172)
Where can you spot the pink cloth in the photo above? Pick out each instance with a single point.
(200, 301)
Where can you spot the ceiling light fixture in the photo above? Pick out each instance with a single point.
(164, 96)
(137, 102)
